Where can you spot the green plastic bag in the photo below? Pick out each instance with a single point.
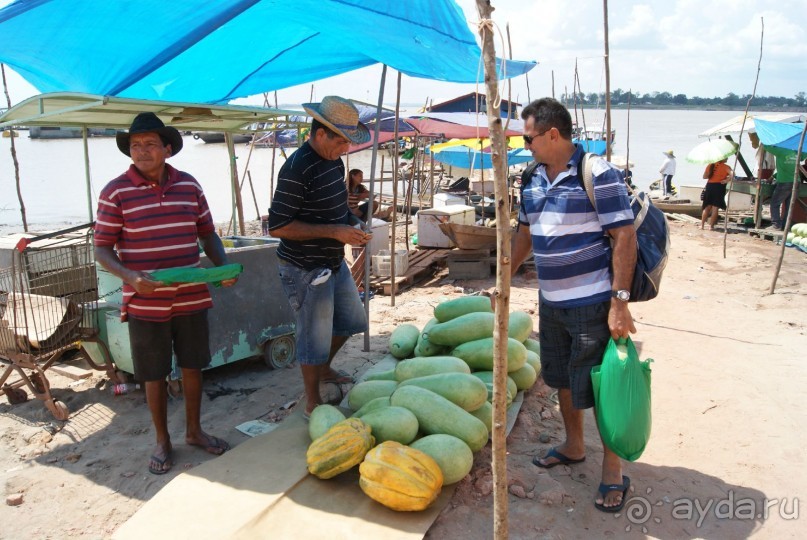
(622, 398)
(214, 275)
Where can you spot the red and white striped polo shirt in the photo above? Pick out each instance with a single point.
(153, 227)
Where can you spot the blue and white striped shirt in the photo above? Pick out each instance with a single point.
(572, 252)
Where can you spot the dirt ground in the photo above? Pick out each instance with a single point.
(726, 458)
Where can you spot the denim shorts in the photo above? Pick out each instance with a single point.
(573, 341)
(323, 309)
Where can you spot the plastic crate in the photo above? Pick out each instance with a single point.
(382, 263)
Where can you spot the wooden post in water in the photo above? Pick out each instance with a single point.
(503, 268)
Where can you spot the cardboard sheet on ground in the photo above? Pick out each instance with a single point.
(262, 489)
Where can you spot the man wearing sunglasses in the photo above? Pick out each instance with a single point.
(585, 259)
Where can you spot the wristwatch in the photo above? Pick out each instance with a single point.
(621, 294)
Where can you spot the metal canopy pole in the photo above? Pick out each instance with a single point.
(84, 133)
(368, 223)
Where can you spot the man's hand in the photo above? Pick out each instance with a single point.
(620, 321)
(228, 282)
(143, 283)
(353, 236)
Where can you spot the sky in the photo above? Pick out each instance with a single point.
(706, 48)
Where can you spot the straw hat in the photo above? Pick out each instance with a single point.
(341, 116)
(147, 122)
(669, 153)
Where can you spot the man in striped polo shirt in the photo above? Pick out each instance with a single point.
(585, 259)
(150, 218)
(310, 215)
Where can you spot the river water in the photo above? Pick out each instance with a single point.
(55, 195)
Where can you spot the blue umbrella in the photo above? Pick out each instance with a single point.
(466, 158)
(780, 135)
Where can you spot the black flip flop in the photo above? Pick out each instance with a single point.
(561, 459)
(607, 488)
(161, 469)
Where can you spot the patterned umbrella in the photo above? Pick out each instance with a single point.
(712, 151)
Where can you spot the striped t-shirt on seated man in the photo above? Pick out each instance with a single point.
(310, 189)
(572, 253)
(154, 227)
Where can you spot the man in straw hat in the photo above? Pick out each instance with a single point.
(310, 215)
(150, 218)
(667, 170)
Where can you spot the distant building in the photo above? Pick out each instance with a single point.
(474, 102)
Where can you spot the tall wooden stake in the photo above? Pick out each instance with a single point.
(503, 268)
(607, 84)
(394, 191)
(14, 155)
(740, 142)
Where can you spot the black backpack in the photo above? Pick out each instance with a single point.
(652, 233)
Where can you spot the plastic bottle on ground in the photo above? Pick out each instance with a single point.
(125, 388)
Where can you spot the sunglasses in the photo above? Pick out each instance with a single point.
(529, 138)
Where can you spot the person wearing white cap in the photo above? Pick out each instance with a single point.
(667, 170)
(311, 216)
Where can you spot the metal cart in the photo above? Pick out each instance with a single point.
(48, 298)
(252, 318)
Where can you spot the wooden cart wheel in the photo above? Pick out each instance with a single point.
(59, 410)
(15, 395)
(279, 352)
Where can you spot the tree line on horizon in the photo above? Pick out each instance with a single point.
(666, 99)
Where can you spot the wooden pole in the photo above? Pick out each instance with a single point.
(503, 268)
(740, 142)
(14, 156)
(627, 139)
(368, 224)
(239, 207)
(794, 199)
(254, 198)
(394, 190)
(274, 151)
(607, 84)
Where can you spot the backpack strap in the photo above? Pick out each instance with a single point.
(585, 171)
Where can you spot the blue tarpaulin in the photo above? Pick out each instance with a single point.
(780, 135)
(466, 158)
(219, 50)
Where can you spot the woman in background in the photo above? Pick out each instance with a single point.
(717, 176)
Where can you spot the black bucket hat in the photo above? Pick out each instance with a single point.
(148, 122)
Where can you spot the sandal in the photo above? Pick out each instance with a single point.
(341, 377)
(160, 466)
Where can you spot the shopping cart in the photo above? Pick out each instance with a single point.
(48, 306)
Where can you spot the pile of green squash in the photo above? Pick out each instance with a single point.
(438, 397)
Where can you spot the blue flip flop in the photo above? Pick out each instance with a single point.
(607, 488)
(561, 459)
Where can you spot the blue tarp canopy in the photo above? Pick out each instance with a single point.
(780, 135)
(219, 50)
(467, 158)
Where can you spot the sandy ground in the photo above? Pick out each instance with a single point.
(726, 458)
